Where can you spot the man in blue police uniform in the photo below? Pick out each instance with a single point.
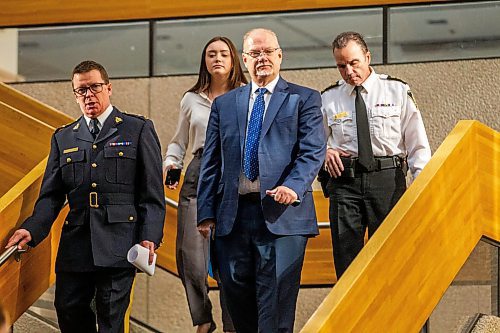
(107, 164)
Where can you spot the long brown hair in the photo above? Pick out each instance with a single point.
(236, 76)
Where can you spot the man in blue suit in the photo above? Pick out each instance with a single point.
(264, 146)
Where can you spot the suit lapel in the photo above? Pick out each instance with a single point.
(277, 98)
(242, 102)
(81, 130)
(109, 127)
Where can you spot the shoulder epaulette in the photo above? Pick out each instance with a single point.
(67, 125)
(392, 78)
(135, 116)
(335, 85)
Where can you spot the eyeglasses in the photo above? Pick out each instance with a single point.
(266, 52)
(94, 88)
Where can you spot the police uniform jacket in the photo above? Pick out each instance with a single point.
(114, 189)
(396, 125)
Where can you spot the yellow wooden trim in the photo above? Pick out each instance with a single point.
(415, 254)
(20, 12)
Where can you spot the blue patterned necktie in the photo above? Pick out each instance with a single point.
(251, 161)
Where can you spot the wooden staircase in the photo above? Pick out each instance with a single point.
(407, 264)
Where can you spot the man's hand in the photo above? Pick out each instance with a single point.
(333, 163)
(151, 247)
(205, 227)
(20, 237)
(283, 195)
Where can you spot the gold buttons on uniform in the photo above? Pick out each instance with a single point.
(93, 185)
(94, 146)
(130, 218)
(68, 160)
(94, 165)
(120, 153)
(66, 222)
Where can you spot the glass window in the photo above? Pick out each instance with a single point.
(52, 53)
(304, 37)
(443, 32)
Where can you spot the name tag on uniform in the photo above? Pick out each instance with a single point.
(70, 150)
(341, 115)
(385, 104)
(123, 143)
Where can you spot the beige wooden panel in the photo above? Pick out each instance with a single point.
(415, 254)
(21, 12)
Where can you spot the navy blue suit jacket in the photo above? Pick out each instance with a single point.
(291, 151)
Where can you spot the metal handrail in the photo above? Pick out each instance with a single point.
(7, 253)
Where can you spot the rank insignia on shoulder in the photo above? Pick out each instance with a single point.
(392, 78)
(341, 115)
(123, 143)
(118, 120)
(77, 126)
(412, 98)
(70, 150)
(335, 85)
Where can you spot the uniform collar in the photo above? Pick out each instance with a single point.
(368, 83)
(102, 117)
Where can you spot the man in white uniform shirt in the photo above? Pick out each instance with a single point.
(375, 134)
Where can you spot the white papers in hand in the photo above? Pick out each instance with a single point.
(139, 257)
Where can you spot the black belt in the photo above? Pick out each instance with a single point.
(382, 163)
(94, 199)
(251, 197)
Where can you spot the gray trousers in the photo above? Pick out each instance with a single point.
(192, 253)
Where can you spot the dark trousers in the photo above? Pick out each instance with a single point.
(358, 204)
(76, 290)
(260, 273)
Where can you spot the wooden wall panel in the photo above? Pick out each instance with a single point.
(38, 12)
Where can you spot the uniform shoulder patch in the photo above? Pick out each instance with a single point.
(335, 85)
(392, 78)
(67, 125)
(135, 116)
(412, 98)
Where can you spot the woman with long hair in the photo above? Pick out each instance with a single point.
(220, 71)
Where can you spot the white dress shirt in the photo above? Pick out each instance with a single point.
(396, 125)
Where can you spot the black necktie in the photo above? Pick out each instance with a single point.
(94, 127)
(365, 152)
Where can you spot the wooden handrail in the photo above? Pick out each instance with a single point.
(23, 282)
(415, 254)
(33, 107)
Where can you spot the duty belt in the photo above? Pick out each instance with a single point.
(383, 163)
(95, 199)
